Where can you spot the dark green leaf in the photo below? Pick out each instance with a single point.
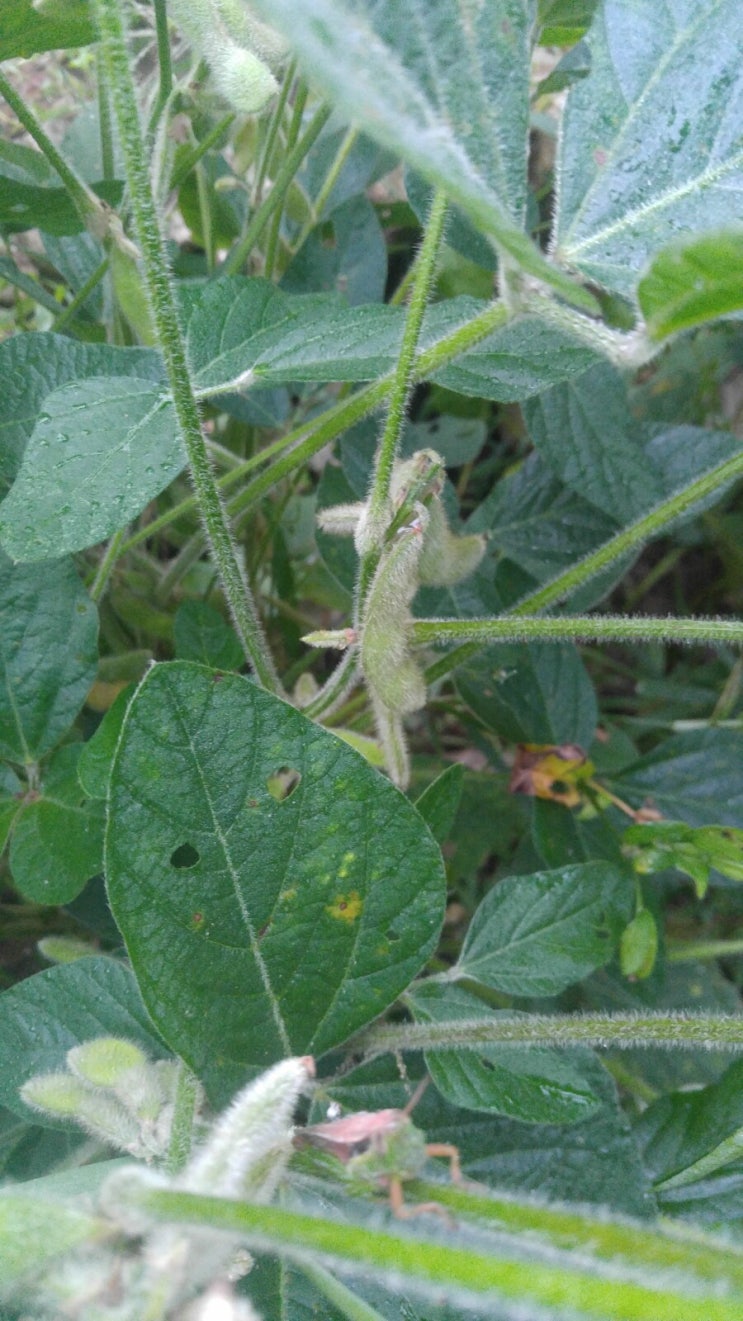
(44, 1016)
(263, 874)
(561, 836)
(201, 634)
(689, 283)
(535, 935)
(695, 777)
(439, 803)
(651, 141)
(585, 431)
(531, 694)
(446, 90)
(96, 757)
(48, 654)
(522, 358)
(33, 365)
(534, 520)
(681, 1129)
(346, 255)
(57, 842)
(101, 450)
(27, 32)
(28, 206)
(534, 1086)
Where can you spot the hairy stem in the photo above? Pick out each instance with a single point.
(687, 1031)
(170, 340)
(574, 628)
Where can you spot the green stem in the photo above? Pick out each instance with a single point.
(633, 537)
(272, 242)
(91, 210)
(195, 154)
(688, 1031)
(690, 951)
(331, 178)
(105, 127)
(105, 568)
(339, 1295)
(403, 379)
(573, 628)
(164, 63)
(274, 125)
(291, 163)
(244, 614)
(68, 312)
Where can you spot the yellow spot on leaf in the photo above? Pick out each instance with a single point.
(346, 907)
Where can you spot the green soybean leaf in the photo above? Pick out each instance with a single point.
(692, 282)
(531, 694)
(535, 1086)
(585, 431)
(536, 521)
(447, 89)
(57, 841)
(274, 891)
(34, 365)
(100, 451)
(694, 777)
(687, 1136)
(48, 654)
(439, 803)
(201, 634)
(563, 21)
(651, 144)
(42, 1017)
(346, 254)
(96, 756)
(535, 935)
(248, 329)
(26, 31)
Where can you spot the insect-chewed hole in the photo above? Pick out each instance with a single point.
(282, 783)
(184, 856)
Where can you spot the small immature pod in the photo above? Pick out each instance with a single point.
(250, 1144)
(394, 677)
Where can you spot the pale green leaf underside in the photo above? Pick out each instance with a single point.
(652, 142)
(445, 85)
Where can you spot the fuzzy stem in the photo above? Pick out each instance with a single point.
(403, 381)
(687, 1031)
(573, 628)
(244, 614)
(68, 312)
(633, 537)
(164, 63)
(275, 198)
(91, 210)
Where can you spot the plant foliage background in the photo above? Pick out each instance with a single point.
(462, 283)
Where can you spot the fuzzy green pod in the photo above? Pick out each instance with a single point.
(447, 559)
(217, 31)
(247, 1150)
(96, 1110)
(393, 676)
(638, 947)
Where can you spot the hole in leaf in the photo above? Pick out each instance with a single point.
(184, 856)
(282, 783)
